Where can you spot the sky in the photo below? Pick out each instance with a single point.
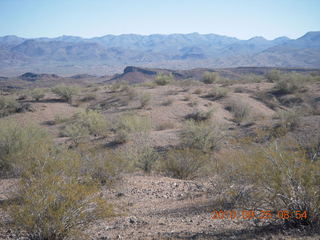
(91, 18)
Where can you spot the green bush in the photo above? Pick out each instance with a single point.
(37, 93)
(66, 92)
(163, 79)
(273, 75)
(8, 105)
(203, 136)
(240, 110)
(85, 123)
(210, 77)
(184, 163)
(289, 119)
(18, 145)
(278, 176)
(217, 93)
(127, 124)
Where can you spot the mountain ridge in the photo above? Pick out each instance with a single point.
(109, 53)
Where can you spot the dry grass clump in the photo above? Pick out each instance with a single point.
(184, 163)
(144, 100)
(165, 125)
(240, 110)
(66, 92)
(198, 91)
(199, 115)
(203, 136)
(275, 177)
(167, 102)
(210, 77)
(89, 97)
(289, 119)
(163, 79)
(217, 93)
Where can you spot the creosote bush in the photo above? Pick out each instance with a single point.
(37, 93)
(163, 79)
(217, 93)
(8, 105)
(18, 145)
(203, 136)
(127, 124)
(184, 163)
(289, 119)
(281, 178)
(240, 110)
(210, 77)
(85, 123)
(66, 92)
(57, 194)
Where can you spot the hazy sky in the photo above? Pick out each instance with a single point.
(88, 18)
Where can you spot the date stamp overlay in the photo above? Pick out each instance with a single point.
(258, 214)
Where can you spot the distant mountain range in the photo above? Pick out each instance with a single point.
(69, 55)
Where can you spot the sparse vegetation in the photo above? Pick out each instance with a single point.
(144, 100)
(217, 93)
(184, 163)
(163, 79)
(280, 177)
(240, 110)
(37, 93)
(199, 115)
(210, 77)
(167, 102)
(203, 136)
(165, 125)
(288, 119)
(66, 92)
(8, 105)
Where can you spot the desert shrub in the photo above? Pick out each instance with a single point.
(279, 177)
(103, 166)
(240, 110)
(165, 125)
(140, 153)
(58, 119)
(66, 92)
(167, 102)
(127, 124)
(144, 100)
(273, 75)
(150, 84)
(88, 97)
(210, 77)
(8, 105)
(18, 144)
(289, 119)
(184, 163)
(85, 123)
(53, 202)
(131, 93)
(37, 93)
(204, 136)
(199, 115)
(198, 91)
(163, 79)
(187, 98)
(217, 93)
